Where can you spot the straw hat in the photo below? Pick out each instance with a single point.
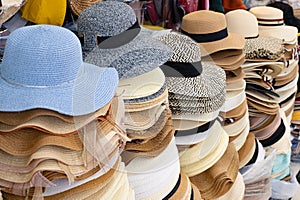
(153, 130)
(218, 179)
(271, 23)
(247, 151)
(236, 191)
(77, 6)
(256, 46)
(112, 37)
(56, 75)
(190, 162)
(226, 59)
(197, 135)
(9, 8)
(184, 72)
(141, 86)
(271, 68)
(162, 170)
(17, 118)
(198, 25)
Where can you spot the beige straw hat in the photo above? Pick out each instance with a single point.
(209, 29)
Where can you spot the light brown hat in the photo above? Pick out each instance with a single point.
(152, 131)
(209, 29)
(218, 179)
(79, 5)
(247, 150)
(226, 60)
(50, 123)
(18, 118)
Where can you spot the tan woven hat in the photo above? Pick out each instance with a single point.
(218, 179)
(247, 150)
(9, 8)
(209, 29)
(226, 59)
(52, 123)
(79, 5)
(18, 118)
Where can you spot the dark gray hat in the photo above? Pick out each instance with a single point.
(112, 37)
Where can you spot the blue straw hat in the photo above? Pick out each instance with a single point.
(42, 67)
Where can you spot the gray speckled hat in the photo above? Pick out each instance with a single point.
(112, 37)
(186, 76)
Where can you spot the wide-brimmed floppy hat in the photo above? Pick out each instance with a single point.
(209, 29)
(49, 73)
(184, 72)
(256, 46)
(9, 8)
(112, 37)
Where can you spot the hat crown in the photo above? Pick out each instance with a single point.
(106, 18)
(184, 48)
(203, 22)
(267, 12)
(41, 55)
(236, 23)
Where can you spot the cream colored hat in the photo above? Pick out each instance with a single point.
(256, 46)
(271, 23)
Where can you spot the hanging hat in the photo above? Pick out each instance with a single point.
(112, 37)
(271, 23)
(209, 29)
(184, 72)
(8, 8)
(53, 75)
(256, 46)
(77, 6)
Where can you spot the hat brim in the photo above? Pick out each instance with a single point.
(135, 58)
(92, 89)
(272, 49)
(9, 10)
(287, 33)
(232, 41)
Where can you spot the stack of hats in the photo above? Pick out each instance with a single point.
(137, 58)
(151, 154)
(271, 24)
(224, 49)
(268, 120)
(161, 177)
(204, 150)
(61, 124)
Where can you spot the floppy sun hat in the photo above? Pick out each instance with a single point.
(209, 29)
(112, 37)
(49, 73)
